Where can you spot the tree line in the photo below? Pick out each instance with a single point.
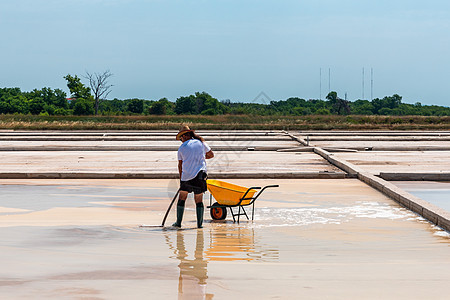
(86, 100)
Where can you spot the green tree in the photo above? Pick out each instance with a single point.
(301, 111)
(212, 106)
(61, 112)
(362, 107)
(323, 111)
(56, 98)
(157, 108)
(19, 104)
(77, 89)
(161, 107)
(337, 104)
(200, 99)
(185, 105)
(199, 103)
(36, 105)
(12, 100)
(394, 101)
(83, 103)
(83, 107)
(390, 102)
(115, 106)
(135, 106)
(5, 107)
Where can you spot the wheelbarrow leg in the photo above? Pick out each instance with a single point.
(245, 213)
(232, 213)
(239, 213)
(253, 210)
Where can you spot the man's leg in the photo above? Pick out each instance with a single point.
(200, 209)
(180, 208)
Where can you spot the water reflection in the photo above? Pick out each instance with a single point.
(223, 243)
(193, 271)
(232, 243)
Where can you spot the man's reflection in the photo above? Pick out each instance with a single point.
(193, 272)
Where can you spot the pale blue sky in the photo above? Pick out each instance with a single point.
(231, 49)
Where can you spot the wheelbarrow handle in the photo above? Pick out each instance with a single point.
(254, 188)
(249, 189)
(266, 187)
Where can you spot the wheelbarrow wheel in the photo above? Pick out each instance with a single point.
(217, 212)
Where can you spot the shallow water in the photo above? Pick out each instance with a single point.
(73, 239)
(440, 198)
(437, 193)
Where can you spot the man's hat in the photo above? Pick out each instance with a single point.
(184, 129)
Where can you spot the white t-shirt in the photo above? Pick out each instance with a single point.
(192, 153)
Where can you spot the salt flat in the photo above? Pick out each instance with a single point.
(336, 239)
(311, 238)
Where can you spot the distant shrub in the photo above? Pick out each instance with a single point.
(323, 111)
(83, 107)
(209, 112)
(61, 112)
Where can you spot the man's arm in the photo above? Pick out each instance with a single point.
(180, 167)
(209, 154)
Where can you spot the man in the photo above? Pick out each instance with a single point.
(192, 156)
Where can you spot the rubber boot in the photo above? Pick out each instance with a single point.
(200, 209)
(180, 211)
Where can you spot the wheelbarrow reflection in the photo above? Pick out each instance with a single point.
(230, 243)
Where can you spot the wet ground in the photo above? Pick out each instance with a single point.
(311, 239)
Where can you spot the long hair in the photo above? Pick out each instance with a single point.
(196, 136)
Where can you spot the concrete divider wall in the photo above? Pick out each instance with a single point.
(351, 169)
(431, 212)
(418, 176)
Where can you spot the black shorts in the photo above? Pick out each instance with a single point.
(196, 185)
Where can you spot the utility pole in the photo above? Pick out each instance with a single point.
(329, 80)
(362, 84)
(371, 84)
(320, 83)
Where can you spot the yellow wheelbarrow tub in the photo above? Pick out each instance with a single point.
(229, 194)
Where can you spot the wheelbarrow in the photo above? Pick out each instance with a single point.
(230, 195)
